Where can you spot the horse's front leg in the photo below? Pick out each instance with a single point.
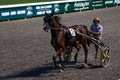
(58, 54)
(54, 60)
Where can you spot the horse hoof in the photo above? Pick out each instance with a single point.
(61, 71)
(85, 62)
(59, 65)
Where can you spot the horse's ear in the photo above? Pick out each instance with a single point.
(52, 13)
(46, 13)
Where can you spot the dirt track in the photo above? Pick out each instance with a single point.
(25, 50)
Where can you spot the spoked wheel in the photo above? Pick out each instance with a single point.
(105, 58)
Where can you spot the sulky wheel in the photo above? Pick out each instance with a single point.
(105, 58)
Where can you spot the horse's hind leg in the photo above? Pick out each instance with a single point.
(84, 45)
(76, 54)
(54, 60)
(86, 52)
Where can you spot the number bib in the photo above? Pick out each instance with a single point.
(72, 32)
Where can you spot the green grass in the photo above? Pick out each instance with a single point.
(8, 2)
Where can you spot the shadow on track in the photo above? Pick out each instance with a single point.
(87, 66)
(94, 66)
(38, 71)
(34, 72)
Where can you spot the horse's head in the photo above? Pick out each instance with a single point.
(48, 22)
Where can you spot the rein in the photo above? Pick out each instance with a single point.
(57, 28)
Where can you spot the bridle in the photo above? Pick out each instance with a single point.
(52, 27)
(46, 23)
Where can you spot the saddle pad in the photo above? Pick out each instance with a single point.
(72, 32)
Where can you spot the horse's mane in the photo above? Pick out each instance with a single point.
(58, 20)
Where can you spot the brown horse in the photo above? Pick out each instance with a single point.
(60, 40)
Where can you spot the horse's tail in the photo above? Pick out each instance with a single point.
(88, 41)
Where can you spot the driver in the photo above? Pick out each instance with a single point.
(96, 31)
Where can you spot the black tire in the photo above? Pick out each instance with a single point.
(105, 58)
